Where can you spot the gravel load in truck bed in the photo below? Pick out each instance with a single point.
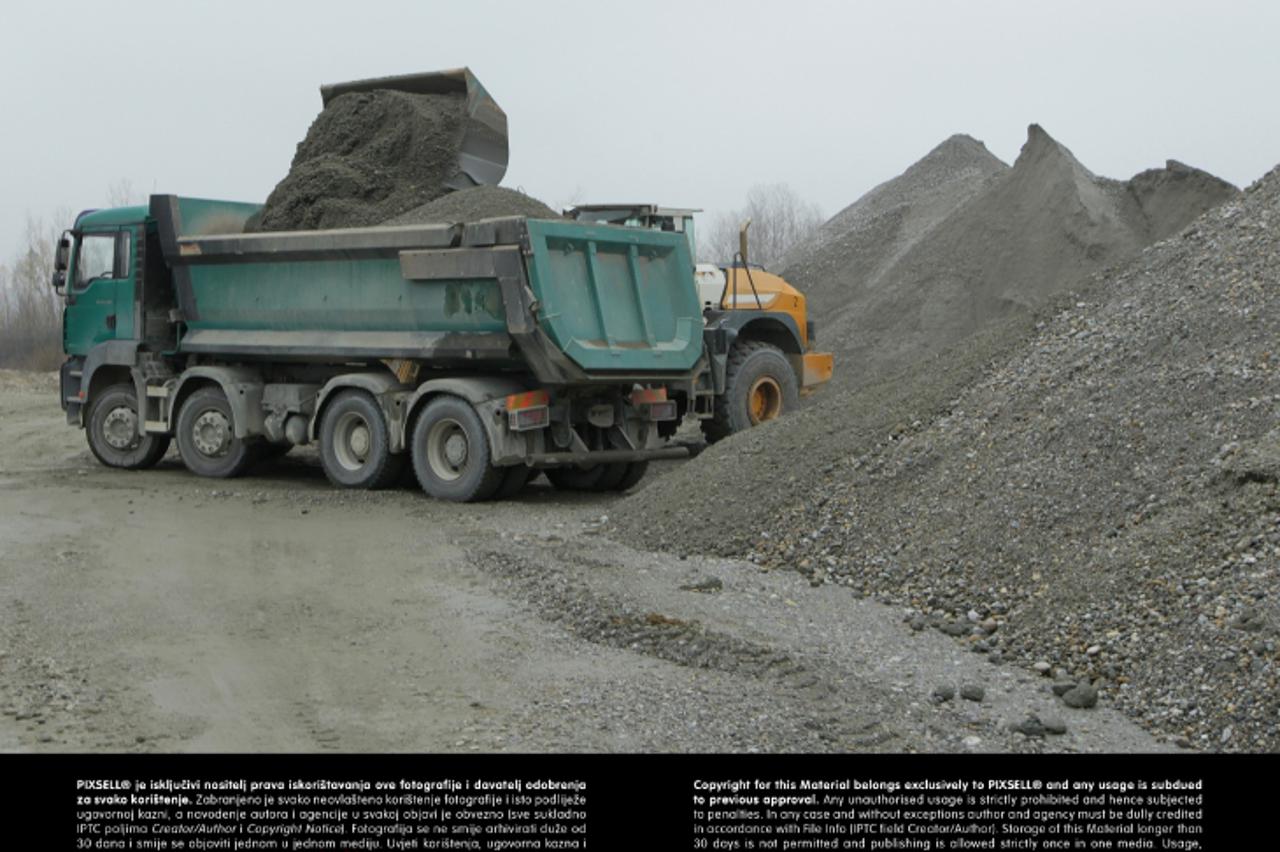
(367, 157)
(959, 240)
(1094, 491)
(478, 202)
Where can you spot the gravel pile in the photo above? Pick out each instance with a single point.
(367, 157)
(1094, 491)
(478, 202)
(845, 262)
(960, 240)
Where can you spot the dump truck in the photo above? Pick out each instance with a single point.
(475, 354)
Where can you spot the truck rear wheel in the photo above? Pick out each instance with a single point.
(759, 386)
(112, 430)
(451, 452)
(635, 473)
(207, 439)
(514, 479)
(575, 478)
(355, 443)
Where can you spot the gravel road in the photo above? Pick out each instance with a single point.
(159, 611)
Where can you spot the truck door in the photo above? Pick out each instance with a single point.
(100, 290)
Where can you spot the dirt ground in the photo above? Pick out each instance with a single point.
(159, 611)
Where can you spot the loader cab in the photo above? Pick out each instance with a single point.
(673, 219)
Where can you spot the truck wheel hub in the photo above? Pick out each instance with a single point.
(764, 400)
(455, 450)
(120, 428)
(447, 450)
(211, 433)
(352, 441)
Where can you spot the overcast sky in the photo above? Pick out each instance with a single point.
(681, 103)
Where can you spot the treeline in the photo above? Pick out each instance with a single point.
(30, 310)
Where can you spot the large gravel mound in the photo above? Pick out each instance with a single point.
(367, 157)
(844, 262)
(478, 202)
(967, 242)
(1103, 499)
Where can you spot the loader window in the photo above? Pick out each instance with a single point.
(102, 256)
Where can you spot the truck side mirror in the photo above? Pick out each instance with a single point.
(62, 256)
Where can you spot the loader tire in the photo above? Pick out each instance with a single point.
(759, 386)
(451, 453)
(206, 436)
(111, 428)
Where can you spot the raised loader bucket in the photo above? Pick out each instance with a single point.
(483, 154)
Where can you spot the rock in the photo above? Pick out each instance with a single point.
(972, 692)
(995, 658)
(918, 623)
(1053, 723)
(1082, 696)
(954, 628)
(943, 693)
(1042, 667)
(1030, 726)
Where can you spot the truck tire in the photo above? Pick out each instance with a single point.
(451, 452)
(207, 439)
(112, 430)
(759, 385)
(355, 443)
(514, 479)
(574, 478)
(635, 473)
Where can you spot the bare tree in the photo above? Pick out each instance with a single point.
(30, 310)
(120, 193)
(780, 219)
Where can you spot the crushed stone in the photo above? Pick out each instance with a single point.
(960, 240)
(367, 157)
(1100, 473)
(478, 202)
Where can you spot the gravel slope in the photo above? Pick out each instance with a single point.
(1100, 489)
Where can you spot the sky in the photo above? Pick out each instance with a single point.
(684, 104)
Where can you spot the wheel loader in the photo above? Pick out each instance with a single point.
(756, 327)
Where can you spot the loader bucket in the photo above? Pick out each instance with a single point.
(482, 157)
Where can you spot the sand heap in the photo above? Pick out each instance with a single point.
(1098, 485)
(367, 157)
(959, 240)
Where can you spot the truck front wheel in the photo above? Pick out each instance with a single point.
(207, 438)
(355, 444)
(112, 430)
(759, 385)
(451, 454)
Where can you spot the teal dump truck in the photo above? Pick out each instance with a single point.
(478, 353)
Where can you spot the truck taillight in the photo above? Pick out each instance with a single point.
(662, 410)
(528, 410)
